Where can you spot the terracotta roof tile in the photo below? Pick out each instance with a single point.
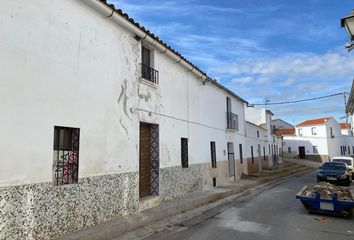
(314, 121)
(285, 131)
(344, 125)
(152, 35)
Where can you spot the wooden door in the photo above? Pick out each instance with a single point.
(144, 160)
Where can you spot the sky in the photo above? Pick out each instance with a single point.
(281, 50)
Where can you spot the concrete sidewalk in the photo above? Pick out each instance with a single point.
(113, 229)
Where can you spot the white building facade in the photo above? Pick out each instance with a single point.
(100, 116)
(318, 139)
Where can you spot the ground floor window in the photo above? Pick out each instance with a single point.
(66, 155)
(289, 149)
(213, 154)
(184, 152)
(315, 149)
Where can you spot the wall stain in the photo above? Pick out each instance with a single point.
(123, 94)
(146, 97)
(124, 127)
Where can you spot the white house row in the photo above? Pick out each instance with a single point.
(99, 116)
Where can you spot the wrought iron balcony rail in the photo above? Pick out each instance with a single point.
(149, 73)
(231, 120)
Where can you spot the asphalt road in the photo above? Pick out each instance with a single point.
(271, 213)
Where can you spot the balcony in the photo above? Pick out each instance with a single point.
(149, 73)
(231, 121)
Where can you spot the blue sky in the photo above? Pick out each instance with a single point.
(277, 49)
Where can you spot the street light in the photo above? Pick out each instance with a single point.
(348, 23)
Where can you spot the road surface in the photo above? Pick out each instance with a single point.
(271, 213)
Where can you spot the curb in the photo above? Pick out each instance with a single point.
(129, 223)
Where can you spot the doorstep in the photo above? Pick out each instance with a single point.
(148, 202)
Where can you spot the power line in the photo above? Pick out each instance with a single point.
(298, 101)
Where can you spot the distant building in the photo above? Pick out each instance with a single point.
(318, 139)
(280, 123)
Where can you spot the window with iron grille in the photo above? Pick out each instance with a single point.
(213, 154)
(241, 157)
(184, 152)
(264, 155)
(66, 155)
(147, 71)
(315, 149)
(252, 154)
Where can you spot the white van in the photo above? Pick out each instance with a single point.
(348, 160)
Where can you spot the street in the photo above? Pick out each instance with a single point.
(271, 213)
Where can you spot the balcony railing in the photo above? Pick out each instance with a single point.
(149, 73)
(231, 121)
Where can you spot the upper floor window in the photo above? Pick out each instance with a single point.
(66, 155)
(299, 131)
(331, 132)
(257, 134)
(147, 71)
(231, 118)
(314, 131)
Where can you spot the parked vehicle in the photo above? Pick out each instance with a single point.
(335, 172)
(348, 160)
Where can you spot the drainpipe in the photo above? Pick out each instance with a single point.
(107, 12)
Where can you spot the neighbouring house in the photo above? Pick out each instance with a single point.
(260, 120)
(317, 139)
(281, 124)
(346, 129)
(101, 118)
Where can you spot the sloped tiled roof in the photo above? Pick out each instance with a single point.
(344, 125)
(285, 131)
(317, 121)
(155, 37)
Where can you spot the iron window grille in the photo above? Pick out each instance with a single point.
(240, 149)
(252, 154)
(149, 73)
(231, 120)
(213, 154)
(184, 152)
(66, 155)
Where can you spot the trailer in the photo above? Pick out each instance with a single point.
(316, 204)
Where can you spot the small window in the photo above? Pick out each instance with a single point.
(289, 149)
(314, 131)
(241, 157)
(257, 134)
(315, 149)
(331, 131)
(264, 155)
(66, 155)
(252, 154)
(213, 154)
(299, 131)
(184, 152)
